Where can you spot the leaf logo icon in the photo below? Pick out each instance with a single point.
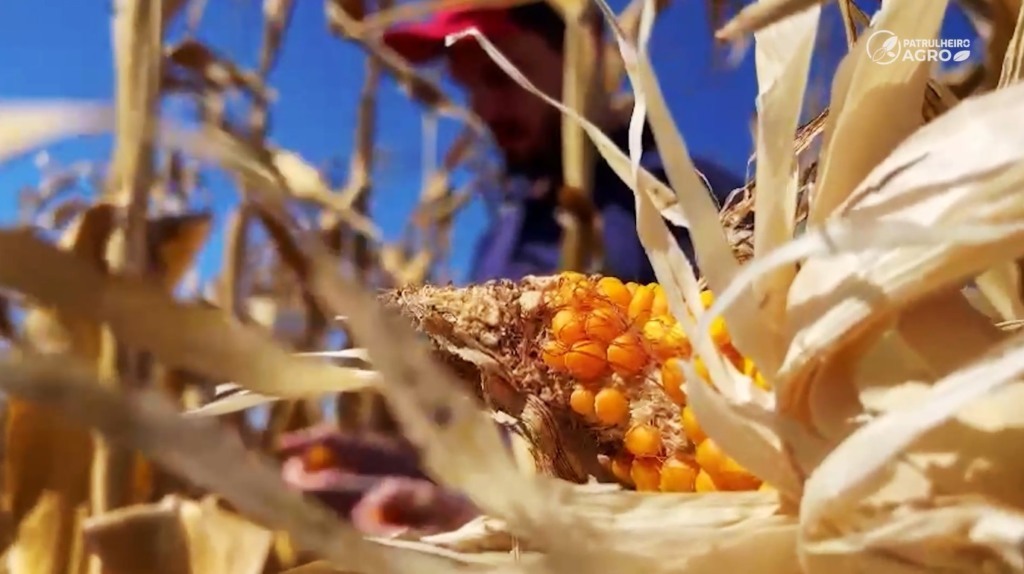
(961, 56)
(883, 47)
(890, 46)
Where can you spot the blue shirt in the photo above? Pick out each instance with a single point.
(525, 238)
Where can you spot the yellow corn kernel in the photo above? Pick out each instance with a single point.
(604, 324)
(691, 427)
(615, 292)
(732, 476)
(704, 483)
(646, 474)
(678, 475)
(748, 368)
(553, 354)
(728, 473)
(707, 298)
(719, 333)
(643, 440)
(319, 457)
(760, 382)
(666, 339)
(654, 330)
(710, 457)
(626, 355)
(734, 356)
(585, 360)
(573, 290)
(611, 406)
(702, 369)
(672, 381)
(751, 370)
(673, 344)
(621, 465)
(659, 303)
(581, 401)
(640, 305)
(568, 327)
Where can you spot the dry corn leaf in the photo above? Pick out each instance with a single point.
(236, 250)
(856, 466)
(403, 268)
(356, 189)
(29, 125)
(1013, 63)
(760, 15)
(231, 398)
(142, 538)
(176, 241)
(704, 531)
(482, 534)
(751, 334)
(46, 477)
(437, 182)
(144, 314)
(178, 535)
(881, 105)
(901, 202)
(1003, 287)
(197, 449)
(214, 71)
(44, 539)
(267, 172)
(995, 36)
(767, 545)
(919, 186)
(45, 454)
(277, 15)
(783, 59)
(307, 183)
(922, 328)
(747, 434)
(53, 330)
(629, 23)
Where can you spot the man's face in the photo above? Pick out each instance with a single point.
(524, 126)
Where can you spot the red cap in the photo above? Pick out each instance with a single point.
(424, 41)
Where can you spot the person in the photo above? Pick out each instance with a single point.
(371, 480)
(523, 240)
(525, 237)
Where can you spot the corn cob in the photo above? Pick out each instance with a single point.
(622, 349)
(604, 352)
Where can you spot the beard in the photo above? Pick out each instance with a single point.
(542, 157)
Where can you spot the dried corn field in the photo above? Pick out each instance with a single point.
(836, 391)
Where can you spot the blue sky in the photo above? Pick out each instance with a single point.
(67, 55)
